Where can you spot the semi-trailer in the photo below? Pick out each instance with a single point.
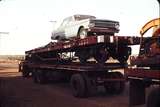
(64, 61)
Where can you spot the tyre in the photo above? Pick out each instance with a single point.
(34, 75)
(123, 60)
(25, 72)
(78, 85)
(101, 55)
(39, 77)
(91, 86)
(154, 98)
(124, 53)
(82, 33)
(115, 87)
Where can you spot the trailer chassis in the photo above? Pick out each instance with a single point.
(47, 64)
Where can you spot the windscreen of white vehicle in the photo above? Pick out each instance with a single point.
(82, 17)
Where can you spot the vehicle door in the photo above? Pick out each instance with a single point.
(61, 29)
(69, 28)
(73, 27)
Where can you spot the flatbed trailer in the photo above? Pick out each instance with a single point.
(86, 42)
(140, 79)
(99, 47)
(47, 64)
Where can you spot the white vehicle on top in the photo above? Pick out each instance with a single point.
(81, 26)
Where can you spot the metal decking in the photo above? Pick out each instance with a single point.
(89, 41)
(75, 66)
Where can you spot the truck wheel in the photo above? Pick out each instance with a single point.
(101, 55)
(154, 98)
(78, 85)
(91, 86)
(123, 60)
(34, 76)
(39, 77)
(115, 87)
(124, 53)
(25, 73)
(82, 33)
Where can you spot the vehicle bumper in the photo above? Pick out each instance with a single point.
(103, 30)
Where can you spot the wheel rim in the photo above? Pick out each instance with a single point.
(83, 34)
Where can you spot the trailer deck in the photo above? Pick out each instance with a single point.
(76, 66)
(86, 42)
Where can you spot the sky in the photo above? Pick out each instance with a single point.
(30, 22)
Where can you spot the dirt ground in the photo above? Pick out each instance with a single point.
(16, 91)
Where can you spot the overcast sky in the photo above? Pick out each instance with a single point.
(29, 21)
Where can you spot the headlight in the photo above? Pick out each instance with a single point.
(91, 25)
(117, 26)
